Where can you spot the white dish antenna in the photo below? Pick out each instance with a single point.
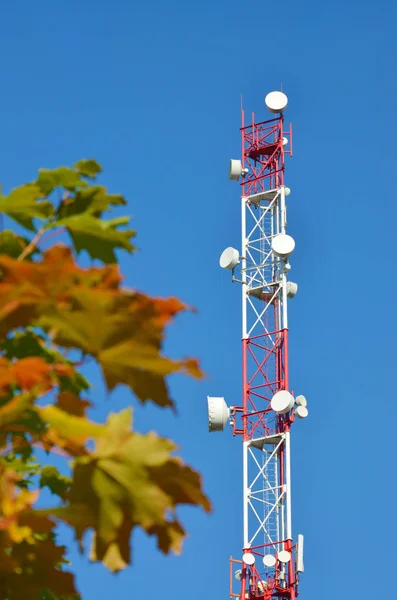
(235, 169)
(283, 245)
(248, 558)
(229, 258)
(218, 413)
(287, 191)
(276, 102)
(301, 400)
(282, 402)
(292, 289)
(269, 560)
(301, 412)
(284, 556)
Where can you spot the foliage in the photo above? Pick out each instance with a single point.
(54, 316)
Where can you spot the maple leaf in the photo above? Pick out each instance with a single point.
(93, 201)
(21, 295)
(169, 536)
(23, 204)
(49, 179)
(31, 372)
(13, 410)
(129, 479)
(29, 288)
(13, 245)
(58, 484)
(75, 384)
(26, 343)
(81, 209)
(69, 427)
(110, 328)
(112, 558)
(89, 168)
(98, 237)
(72, 403)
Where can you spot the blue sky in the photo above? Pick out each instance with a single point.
(152, 91)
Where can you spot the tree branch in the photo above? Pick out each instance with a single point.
(31, 246)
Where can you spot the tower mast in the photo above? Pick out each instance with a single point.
(271, 560)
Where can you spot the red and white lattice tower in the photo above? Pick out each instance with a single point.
(271, 560)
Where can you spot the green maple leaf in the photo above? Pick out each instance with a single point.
(26, 343)
(93, 201)
(130, 479)
(58, 484)
(49, 179)
(88, 168)
(74, 384)
(98, 237)
(23, 205)
(13, 244)
(81, 215)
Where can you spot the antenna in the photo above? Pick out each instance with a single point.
(270, 561)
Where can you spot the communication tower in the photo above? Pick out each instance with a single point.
(271, 561)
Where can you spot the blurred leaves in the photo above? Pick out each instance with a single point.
(51, 478)
(30, 559)
(87, 309)
(54, 317)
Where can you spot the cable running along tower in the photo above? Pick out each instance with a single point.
(271, 561)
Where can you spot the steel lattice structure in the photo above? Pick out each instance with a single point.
(271, 560)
